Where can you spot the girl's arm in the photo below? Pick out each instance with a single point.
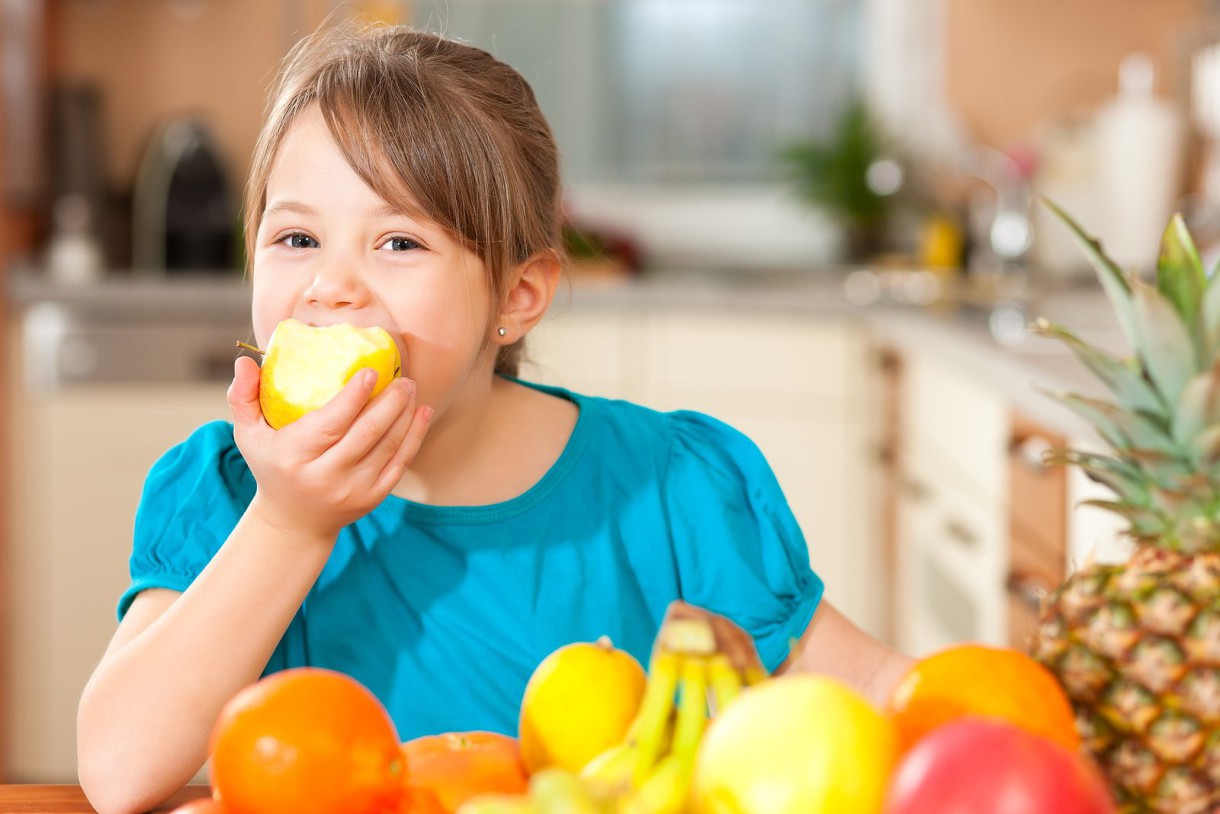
(832, 645)
(147, 712)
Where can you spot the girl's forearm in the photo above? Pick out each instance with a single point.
(147, 712)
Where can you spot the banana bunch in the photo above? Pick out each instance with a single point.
(689, 681)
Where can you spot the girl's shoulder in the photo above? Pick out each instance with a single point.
(207, 459)
(676, 439)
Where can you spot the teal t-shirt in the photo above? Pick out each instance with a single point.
(444, 612)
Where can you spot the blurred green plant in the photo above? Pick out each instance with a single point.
(832, 175)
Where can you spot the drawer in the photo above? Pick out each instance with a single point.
(805, 362)
(1038, 493)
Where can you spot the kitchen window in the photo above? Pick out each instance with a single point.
(672, 91)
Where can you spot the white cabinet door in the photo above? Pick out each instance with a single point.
(79, 463)
(953, 540)
(794, 385)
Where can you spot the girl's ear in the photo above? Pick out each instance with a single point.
(529, 295)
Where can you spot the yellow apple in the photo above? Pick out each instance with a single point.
(798, 744)
(305, 366)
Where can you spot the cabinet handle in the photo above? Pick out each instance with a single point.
(1030, 588)
(1031, 451)
(961, 533)
(915, 489)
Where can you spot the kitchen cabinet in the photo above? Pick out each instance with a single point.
(1037, 526)
(78, 464)
(796, 384)
(951, 535)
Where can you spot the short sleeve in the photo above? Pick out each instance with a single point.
(193, 497)
(740, 550)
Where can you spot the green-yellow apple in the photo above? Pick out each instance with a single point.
(305, 366)
(797, 744)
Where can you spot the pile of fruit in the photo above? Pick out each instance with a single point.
(970, 729)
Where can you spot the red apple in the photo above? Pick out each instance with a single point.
(983, 766)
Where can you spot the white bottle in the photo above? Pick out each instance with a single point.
(1140, 153)
(73, 256)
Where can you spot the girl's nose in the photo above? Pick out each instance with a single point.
(337, 284)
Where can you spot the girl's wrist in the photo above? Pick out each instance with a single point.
(296, 530)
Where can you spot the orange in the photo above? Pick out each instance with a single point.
(204, 805)
(578, 702)
(306, 741)
(418, 800)
(456, 766)
(990, 682)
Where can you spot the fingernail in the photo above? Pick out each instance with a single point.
(370, 378)
(426, 413)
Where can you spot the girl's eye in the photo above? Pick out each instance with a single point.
(296, 240)
(399, 244)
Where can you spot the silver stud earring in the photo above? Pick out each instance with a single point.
(502, 331)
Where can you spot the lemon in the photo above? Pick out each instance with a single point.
(578, 703)
(800, 743)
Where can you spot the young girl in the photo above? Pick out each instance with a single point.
(410, 182)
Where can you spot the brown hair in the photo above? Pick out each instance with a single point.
(443, 130)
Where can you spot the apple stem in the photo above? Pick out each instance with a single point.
(250, 348)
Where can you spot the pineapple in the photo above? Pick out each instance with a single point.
(1137, 645)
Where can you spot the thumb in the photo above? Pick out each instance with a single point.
(243, 392)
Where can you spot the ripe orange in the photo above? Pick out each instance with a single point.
(204, 805)
(456, 766)
(977, 680)
(306, 741)
(418, 800)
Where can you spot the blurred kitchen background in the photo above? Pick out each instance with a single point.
(816, 219)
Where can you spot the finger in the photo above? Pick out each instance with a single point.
(393, 471)
(388, 442)
(371, 425)
(243, 393)
(327, 425)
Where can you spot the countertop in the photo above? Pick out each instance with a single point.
(23, 799)
(956, 327)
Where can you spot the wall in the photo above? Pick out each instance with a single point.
(1011, 64)
(153, 61)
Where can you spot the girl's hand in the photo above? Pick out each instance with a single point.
(731, 639)
(331, 466)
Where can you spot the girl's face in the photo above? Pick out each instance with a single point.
(330, 250)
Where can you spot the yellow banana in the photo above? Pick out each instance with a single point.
(725, 682)
(663, 792)
(556, 791)
(610, 772)
(647, 732)
(692, 710)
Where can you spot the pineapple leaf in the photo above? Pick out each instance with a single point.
(1179, 270)
(1113, 281)
(1162, 341)
(1205, 447)
(1128, 385)
(1113, 473)
(1198, 407)
(1209, 318)
(1121, 429)
(1144, 522)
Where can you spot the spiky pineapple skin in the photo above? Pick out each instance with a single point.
(1137, 647)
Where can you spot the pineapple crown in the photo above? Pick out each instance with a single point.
(1163, 424)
